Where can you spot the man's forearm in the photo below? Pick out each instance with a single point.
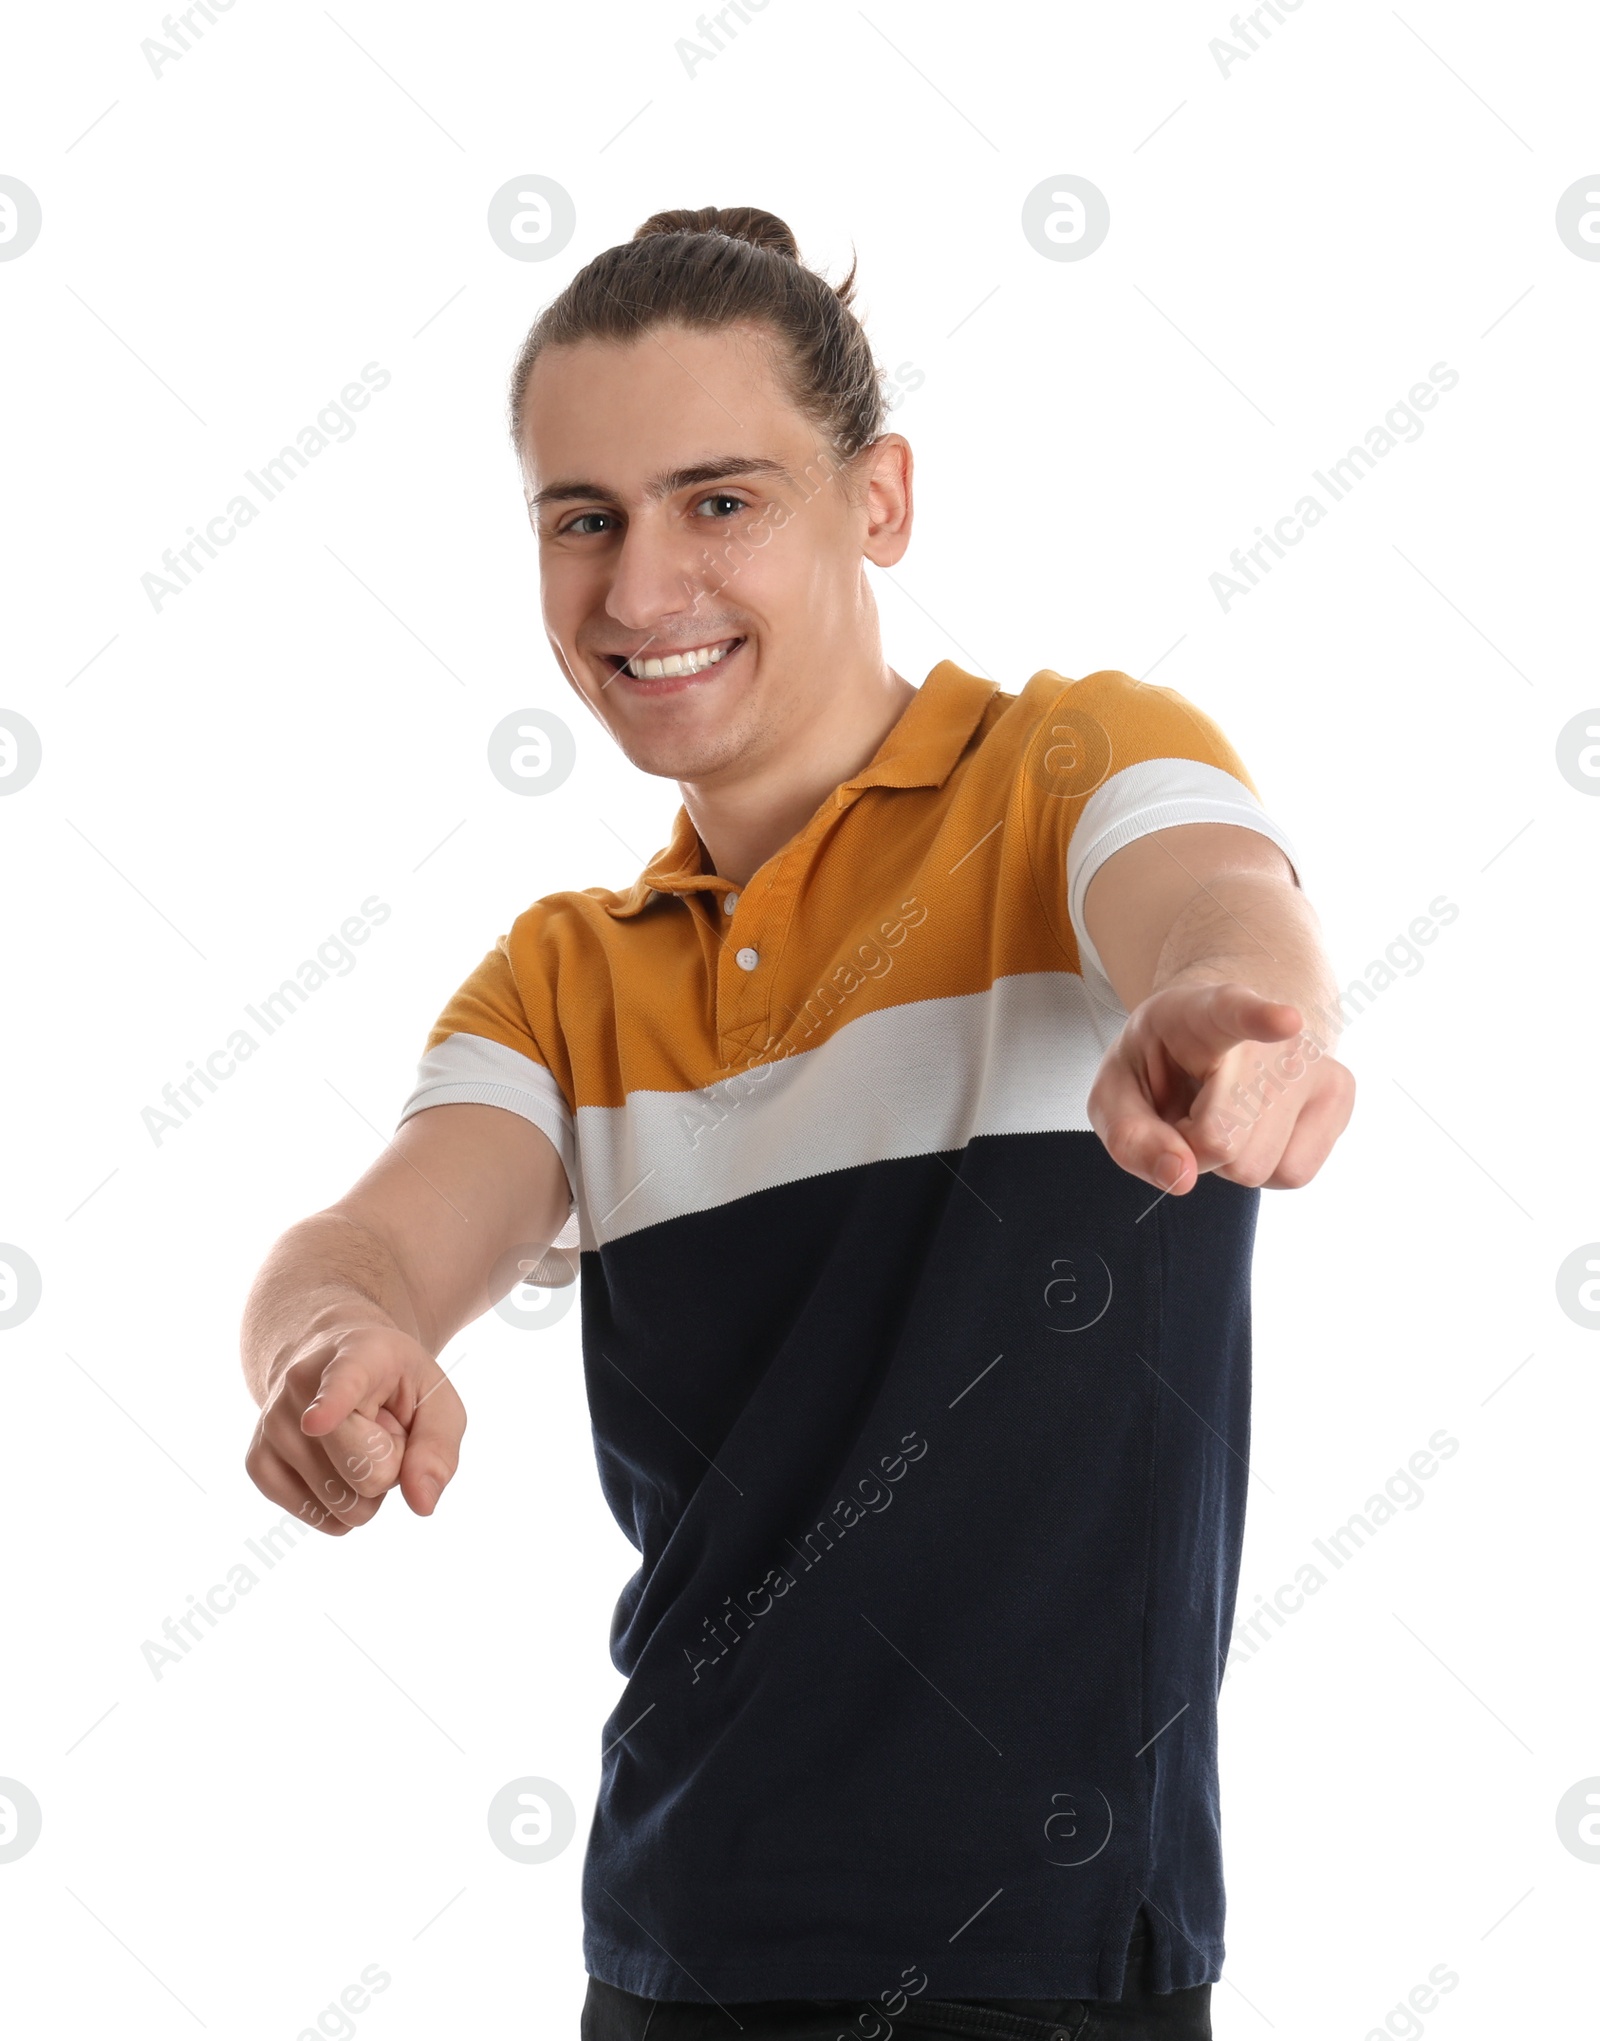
(325, 1271)
(1247, 928)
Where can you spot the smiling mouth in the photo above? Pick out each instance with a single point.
(673, 665)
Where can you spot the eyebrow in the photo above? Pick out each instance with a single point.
(721, 468)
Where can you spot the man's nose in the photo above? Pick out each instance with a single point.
(660, 573)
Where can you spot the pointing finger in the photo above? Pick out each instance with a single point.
(1228, 1014)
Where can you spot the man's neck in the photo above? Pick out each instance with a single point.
(742, 826)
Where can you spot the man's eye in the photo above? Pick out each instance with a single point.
(585, 518)
(734, 504)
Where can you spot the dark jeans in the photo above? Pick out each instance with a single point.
(612, 2015)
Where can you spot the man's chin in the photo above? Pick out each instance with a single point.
(693, 738)
(683, 761)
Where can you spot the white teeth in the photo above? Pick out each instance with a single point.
(677, 663)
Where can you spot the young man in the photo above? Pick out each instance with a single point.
(911, 1110)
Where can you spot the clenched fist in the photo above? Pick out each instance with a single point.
(360, 1409)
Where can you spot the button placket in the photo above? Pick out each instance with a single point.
(737, 960)
(755, 932)
(744, 1005)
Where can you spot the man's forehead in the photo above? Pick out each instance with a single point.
(669, 397)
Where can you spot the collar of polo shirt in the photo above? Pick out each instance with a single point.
(920, 749)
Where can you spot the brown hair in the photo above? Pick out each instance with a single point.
(718, 266)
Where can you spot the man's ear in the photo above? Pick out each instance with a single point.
(886, 486)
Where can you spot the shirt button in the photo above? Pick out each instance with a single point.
(729, 902)
(747, 960)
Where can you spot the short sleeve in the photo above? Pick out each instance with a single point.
(482, 1051)
(1166, 763)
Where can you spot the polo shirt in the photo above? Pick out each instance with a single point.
(929, 1423)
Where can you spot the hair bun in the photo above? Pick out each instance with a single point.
(739, 223)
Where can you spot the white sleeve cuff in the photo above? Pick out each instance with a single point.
(471, 1070)
(1160, 793)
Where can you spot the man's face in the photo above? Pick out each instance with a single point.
(684, 505)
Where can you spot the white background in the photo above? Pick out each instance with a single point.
(1292, 247)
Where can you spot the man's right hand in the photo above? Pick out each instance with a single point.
(360, 1409)
(350, 1403)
